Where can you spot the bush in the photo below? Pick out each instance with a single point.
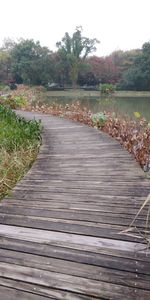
(13, 102)
(13, 86)
(107, 88)
(99, 119)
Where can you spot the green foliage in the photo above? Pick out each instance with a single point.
(107, 88)
(123, 60)
(31, 63)
(19, 144)
(16, 132)
(28, 62)
(132, 80)
(138, 76)
(99, 119)
(73, 52)
(13, 101)
(2, 86)
(5, 65)
(13, 86)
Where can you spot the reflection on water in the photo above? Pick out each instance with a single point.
(123, 105)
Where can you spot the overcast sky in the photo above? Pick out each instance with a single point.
(118, 24)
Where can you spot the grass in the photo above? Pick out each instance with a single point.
(132, 94)
(81, 93)
(76, 94)
(19, 144)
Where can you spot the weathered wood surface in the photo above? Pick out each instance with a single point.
(60, 232)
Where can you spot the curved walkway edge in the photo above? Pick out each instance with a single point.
(61, 228)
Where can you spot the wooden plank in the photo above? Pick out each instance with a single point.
(97, 257)
(38, 292)
(121, 277)
(109, 199)
(88, 192)
(102, 218)
(69, 283)
(75, 227)
(66, 239)
(13, 294)
(122, 212)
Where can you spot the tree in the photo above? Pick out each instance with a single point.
(5, 61)
(8, 44)
(5, 65)
(123, 60)
(137, 77)
(73, 51)
(102, 69)
(31, 63)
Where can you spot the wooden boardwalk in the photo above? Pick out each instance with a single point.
(60, 229)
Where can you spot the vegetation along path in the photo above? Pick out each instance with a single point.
(61, 228)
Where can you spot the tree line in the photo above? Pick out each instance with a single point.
(74, 63)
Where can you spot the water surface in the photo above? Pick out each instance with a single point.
(96, 103)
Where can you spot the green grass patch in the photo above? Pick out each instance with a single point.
(19, 143)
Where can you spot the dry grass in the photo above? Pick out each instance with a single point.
(134, 231)
(13, 166)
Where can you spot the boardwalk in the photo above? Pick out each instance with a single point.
(60, 229)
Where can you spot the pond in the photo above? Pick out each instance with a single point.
(122, 105)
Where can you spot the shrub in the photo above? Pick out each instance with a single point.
(99, 119)
(107, 88)
(13, 102)
(13, 86)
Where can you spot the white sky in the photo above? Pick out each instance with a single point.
(118, 24)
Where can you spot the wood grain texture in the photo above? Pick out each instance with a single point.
(60, 230)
